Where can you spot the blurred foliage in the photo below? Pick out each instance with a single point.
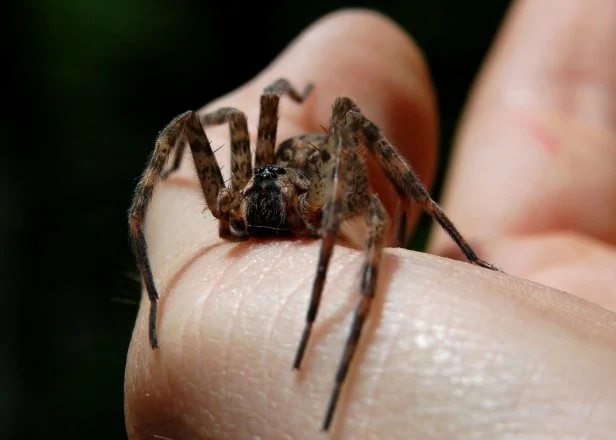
(90, 85)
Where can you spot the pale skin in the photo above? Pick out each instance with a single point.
(451, 350)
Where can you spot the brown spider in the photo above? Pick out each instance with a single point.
(306, 188)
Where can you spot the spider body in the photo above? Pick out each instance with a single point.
(305, 187)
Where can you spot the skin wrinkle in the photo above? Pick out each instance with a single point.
(380, 377)
(226, 342)
(182, 385)
(532, 374)
(259, 264)
(282, 309)
(420, 354)
(568, 413)
(524, 394)
(423, 347)
(469, 374)
(601, 406)
(460, 336)
(212, 297)
(209, 297)
(239, 331)
(590, 410)
(177, 409)
(466, 362)
(202, 301)
(485, 412)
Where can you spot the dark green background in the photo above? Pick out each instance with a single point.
(88, 85)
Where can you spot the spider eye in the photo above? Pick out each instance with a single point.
(268, 172)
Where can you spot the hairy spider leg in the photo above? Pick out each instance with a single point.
(221, 201)
(376, 220)
(353, 200)
(348, 195)
(351, 195)
(325, 195)
(359, 131)
(228, 199)
(268, 117)
(403, 212)
(178, 154)
(268, 123)
(211, 180)
(290, 201)
(241, 161)
(400, 173)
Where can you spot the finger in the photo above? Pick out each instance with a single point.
(451, 351)
(565, 260)
(535, 152)
(180, 234)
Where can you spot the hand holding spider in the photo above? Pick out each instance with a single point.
(228, 339)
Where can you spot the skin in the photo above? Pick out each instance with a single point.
(451, 350)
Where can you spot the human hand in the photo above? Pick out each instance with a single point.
(451, 351)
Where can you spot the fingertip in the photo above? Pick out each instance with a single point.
(367, 56)
(364, 55)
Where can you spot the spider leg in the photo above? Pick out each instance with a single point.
(326, 194)
(177, 160)
(376, 220)
(400, 173)
(228, 203)
(241, 162)
(402, 215)
(209, 176)
(291, 207)
(268, 117)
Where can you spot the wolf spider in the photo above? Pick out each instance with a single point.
(306, 187)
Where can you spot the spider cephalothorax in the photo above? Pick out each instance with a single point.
(307, 186)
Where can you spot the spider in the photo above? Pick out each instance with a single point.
(306, 187)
